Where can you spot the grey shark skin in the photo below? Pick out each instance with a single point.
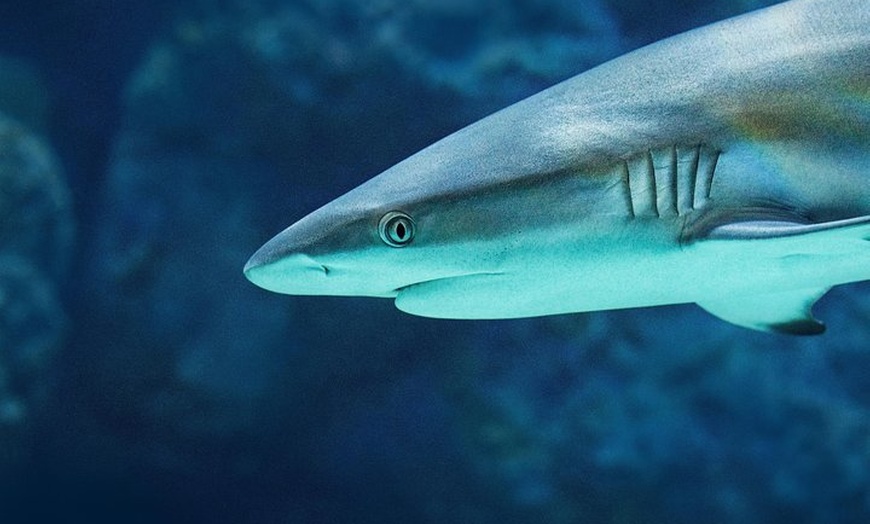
(728, 166)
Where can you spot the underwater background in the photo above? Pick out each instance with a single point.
(147, 148)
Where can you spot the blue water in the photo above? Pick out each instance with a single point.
(142, 379)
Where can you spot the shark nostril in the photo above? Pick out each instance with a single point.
(325, 269)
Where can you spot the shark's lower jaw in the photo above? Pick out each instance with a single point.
(447, 297)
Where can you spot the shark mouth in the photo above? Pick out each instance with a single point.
(445, 280)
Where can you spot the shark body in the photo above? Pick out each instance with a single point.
(728, 166)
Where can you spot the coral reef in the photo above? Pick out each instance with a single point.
(23, 93)
(609, 419)
(36, 234)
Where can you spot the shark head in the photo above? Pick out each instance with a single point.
(366, 251)
(445, 232)
(380, 239)
(370, 250)
(467, 208)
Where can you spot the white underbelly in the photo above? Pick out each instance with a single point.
(637, 272)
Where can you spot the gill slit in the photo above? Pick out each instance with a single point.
(668, 182)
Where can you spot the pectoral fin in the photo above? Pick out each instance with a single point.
(786, 312)
(839, 249)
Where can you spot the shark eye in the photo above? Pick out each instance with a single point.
(396, 229)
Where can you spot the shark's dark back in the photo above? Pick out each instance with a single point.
(797, 68)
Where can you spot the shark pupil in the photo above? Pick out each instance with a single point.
(396, 229)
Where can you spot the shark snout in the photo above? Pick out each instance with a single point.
(258, 260)
(281, 265)
(292, 273)
(262, 260)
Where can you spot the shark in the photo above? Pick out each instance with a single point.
(728, 166)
